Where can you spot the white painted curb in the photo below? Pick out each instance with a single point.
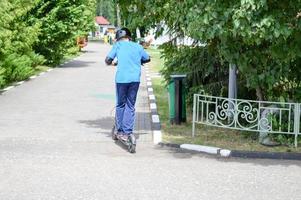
(157, 134)
(155, 119)
(207, 149)
(152, 97)
(153, 106)
(200, 148)
(20, 83)
(225, 153)
(33, 77)
(157, 137)
(8, 88)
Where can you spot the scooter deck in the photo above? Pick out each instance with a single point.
(122, 140)
(130, 142)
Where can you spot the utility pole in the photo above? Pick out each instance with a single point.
(232, 90)
(232, 93)
(118, 15)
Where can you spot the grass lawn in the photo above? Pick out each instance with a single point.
(41, 68)
(205, 135)
(156, 62)
(71, 53)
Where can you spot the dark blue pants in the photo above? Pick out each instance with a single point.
(125, 108)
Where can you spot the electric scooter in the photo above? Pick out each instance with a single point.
(130, 142)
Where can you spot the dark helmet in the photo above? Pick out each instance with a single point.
(122, 33)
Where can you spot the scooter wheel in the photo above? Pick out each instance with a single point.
(114, 136)
(132, 148)
(132, 144)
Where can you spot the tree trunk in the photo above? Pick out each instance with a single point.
(259, 94)
(118, 15)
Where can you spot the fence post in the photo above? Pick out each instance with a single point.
(193, 114)
(296, 122)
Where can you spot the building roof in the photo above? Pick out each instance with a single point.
(101, 20)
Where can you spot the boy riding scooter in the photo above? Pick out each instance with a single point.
(130, 56)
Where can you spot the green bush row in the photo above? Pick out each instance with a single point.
(33, 32)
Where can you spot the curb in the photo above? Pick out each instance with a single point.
(226, 153)
(155, 125)
(2, 91)
(266, 155)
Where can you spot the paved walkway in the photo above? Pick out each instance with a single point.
(55, 143)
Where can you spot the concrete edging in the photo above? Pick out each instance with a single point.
(34, 77)
(21, 82)
(226, 153)
(156, 125)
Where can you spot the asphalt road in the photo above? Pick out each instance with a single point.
(55, 144)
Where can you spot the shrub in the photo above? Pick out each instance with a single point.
(17, 68)
(2, 80)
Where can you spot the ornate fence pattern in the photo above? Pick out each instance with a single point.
(247, 115)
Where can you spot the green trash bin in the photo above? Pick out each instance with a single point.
(177, 99)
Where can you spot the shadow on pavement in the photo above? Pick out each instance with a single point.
(77, 64)
(89, 51)
(105, 125)
(186, 154)
(180, 153)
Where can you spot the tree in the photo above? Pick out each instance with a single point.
(106, 8)
(61, 22)
(261, 37)
(17, 58)
(34, 30)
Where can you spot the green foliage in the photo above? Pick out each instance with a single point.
(284, 139)
(33, 32)
(261, 37)
(17, 67)
(36, 59)
(106, 8)
(17, 57)
(61, 22)
(202, 67)
(2, 80)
